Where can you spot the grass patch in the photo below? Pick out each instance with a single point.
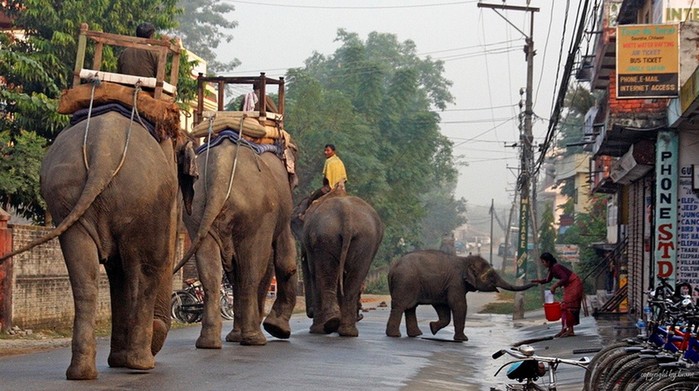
(506, 302)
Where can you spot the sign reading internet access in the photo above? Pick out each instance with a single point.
(647, 61)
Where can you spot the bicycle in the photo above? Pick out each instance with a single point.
(187, 305)
(527, 368)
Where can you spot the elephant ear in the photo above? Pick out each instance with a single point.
(187, 173)
(469, 278)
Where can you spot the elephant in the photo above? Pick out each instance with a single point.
(442, 280)
(240, 224)
(93, 181)
(339, 236)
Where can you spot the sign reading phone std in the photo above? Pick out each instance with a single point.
(647, 62)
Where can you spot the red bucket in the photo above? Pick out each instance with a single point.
(552, 311)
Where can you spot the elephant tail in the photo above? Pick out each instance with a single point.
(97, 181)
(211, 212)
(344, 250)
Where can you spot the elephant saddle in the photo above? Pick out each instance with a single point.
(163, 113)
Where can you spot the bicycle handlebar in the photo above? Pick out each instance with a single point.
(516, 353)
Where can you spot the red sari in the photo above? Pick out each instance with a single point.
(572, 293)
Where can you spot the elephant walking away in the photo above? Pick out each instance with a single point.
(240, 225)
(107, 213)
(340, 236)
(441, 280)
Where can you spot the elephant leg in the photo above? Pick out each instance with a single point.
(411, 322)
(80, 254)
(348, 317)
(458, 308)
(235, 335)
(277, 322)
(252, 264)
(327, 310)
(444, 314)
(308, 285)
(162, 311)
(120, 313)
(210, 274)
(143, 268)
(394, 318)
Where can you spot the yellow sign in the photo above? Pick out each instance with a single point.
(647, 61)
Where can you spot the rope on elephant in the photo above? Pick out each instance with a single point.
(95, 82)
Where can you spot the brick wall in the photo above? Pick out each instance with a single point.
(41, 292)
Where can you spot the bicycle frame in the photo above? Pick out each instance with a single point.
(526, 353)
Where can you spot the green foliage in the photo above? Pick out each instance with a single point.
(577, 102)
(202, 26)
(590, 227)
(20, 159)
(378, 286)
(547, 231)
(373, 100)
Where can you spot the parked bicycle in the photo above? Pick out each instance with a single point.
(527, 368)
(665, 354)
(187, 305)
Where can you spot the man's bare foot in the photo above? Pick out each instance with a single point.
(560, 333)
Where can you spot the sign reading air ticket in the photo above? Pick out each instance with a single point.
(647, 61)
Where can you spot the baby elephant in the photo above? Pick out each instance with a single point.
(442, 280)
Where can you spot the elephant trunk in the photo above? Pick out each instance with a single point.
(501, 283)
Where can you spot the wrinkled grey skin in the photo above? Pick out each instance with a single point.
(248, 234)
(128, 223)
(441, 280)
(340, 236)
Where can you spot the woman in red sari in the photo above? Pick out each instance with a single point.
(572, 293)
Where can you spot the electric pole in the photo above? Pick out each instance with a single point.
(526, 138)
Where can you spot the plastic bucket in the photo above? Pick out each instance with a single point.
(552, 311)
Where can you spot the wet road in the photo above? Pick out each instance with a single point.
(305, 361)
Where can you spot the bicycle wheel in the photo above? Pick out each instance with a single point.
(226, 307)
(639, 374)
(684, 381)
(618, 370)
(182, 307)
(599, 378)
(593, 366)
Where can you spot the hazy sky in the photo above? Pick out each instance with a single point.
(483, 57)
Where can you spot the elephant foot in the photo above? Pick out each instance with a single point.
(317, 328)
(234, 336)
(331, 325)
(142, 360)
(81, 371)
(435, 327)
(208, 343)
(460, 337)
(277, 327)
(392, 333)
(254, 339)
(348, 330)
(117, 359)
(160, 330)
(414, 333)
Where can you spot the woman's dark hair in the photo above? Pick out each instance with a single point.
(678, 288)
(550, 259)
(331, 146)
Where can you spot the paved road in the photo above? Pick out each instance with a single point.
(313, 362)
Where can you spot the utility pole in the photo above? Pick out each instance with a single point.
(492, 215)
(526, 138)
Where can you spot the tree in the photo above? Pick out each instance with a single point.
(589, 227)
(202, 25)
(373, 99)
(36, 68)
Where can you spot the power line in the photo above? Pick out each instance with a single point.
(351, 7)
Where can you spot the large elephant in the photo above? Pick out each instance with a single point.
(340, 236)
(442, 280)
(107, 213)
(240, 224)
